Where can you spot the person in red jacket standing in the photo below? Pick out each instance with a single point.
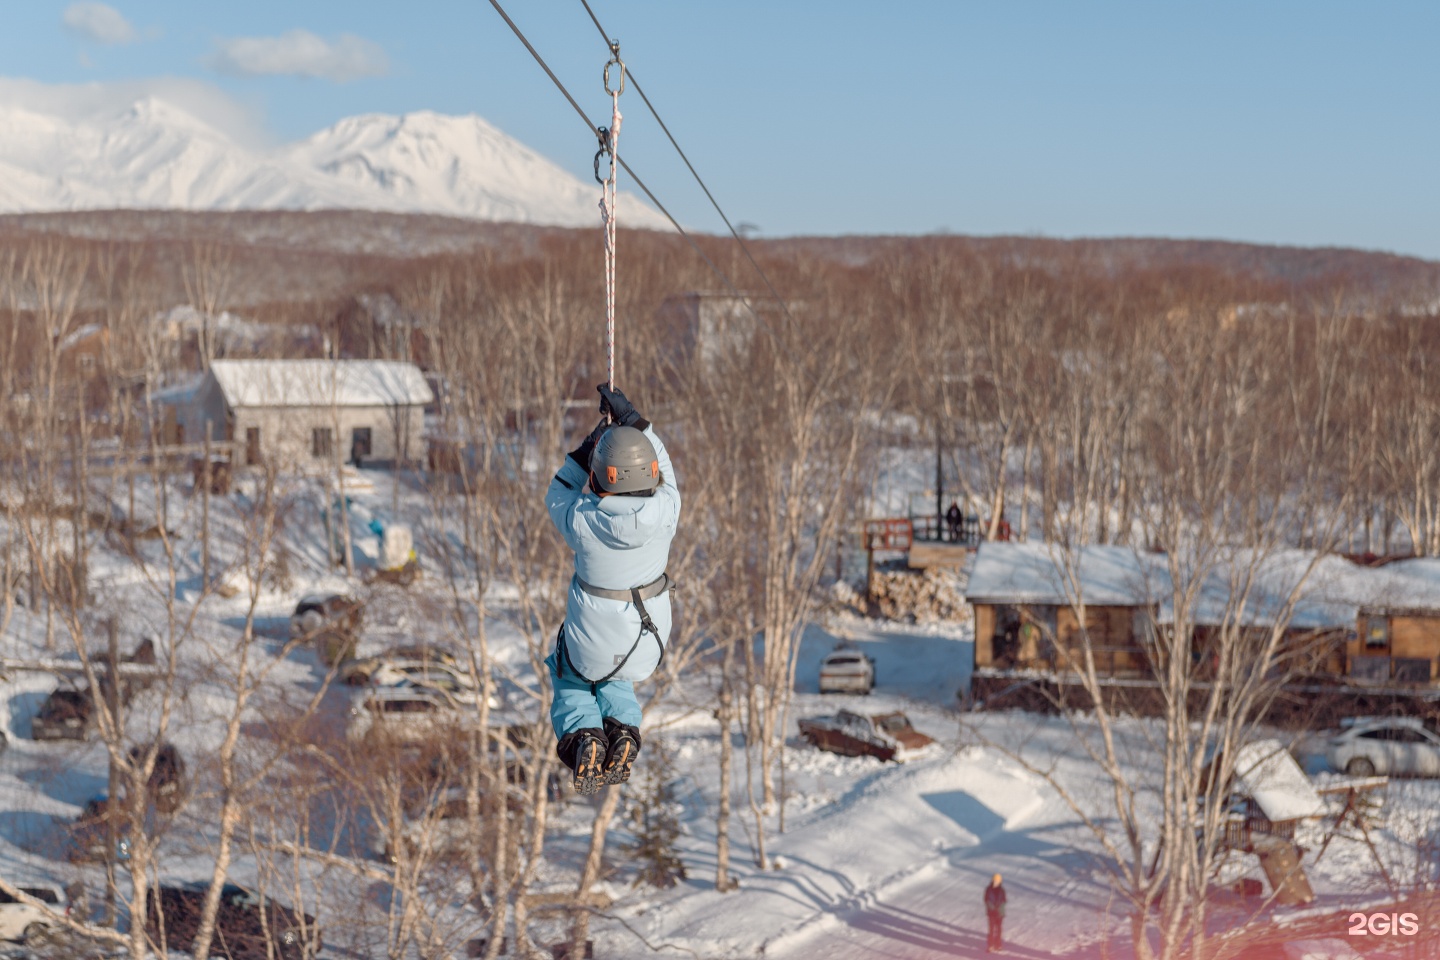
(994, 913)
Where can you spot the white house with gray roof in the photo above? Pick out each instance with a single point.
(296, 413)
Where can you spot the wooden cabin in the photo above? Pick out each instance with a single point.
(1028, 599)
(1348, 623)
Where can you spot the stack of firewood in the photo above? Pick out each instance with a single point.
(920, 596)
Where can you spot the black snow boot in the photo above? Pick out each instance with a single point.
(583, 751)
(624, 748)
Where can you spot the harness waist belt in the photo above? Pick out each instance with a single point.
(652, 589)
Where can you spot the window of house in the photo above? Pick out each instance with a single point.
(252, 445)
(320, 442)
(1377, 632)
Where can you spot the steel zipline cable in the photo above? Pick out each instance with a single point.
(519, 34)
(630, 75)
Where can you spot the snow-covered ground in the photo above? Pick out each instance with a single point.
(876, 859)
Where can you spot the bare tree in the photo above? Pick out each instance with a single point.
(207, 276)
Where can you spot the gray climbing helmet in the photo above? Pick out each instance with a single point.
(624, 462)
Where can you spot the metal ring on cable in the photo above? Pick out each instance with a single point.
(615, 93)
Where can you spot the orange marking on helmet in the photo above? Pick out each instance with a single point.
(611, 476)
(654, 468)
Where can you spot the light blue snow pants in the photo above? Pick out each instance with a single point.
(574, 707)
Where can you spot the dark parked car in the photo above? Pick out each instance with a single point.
(337, 612)
(90, 833)
(67, 714)
(888, 736)
(243, 924)
(167, 781)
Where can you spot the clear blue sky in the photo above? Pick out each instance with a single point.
(1314, 122)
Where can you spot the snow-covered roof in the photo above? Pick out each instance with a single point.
(1305, 590)
(1048, 574)
(1405, 585)
(1265, 772)
(310, 383)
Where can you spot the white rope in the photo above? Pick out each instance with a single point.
(607, 214)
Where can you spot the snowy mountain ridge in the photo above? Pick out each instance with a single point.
(155, 155)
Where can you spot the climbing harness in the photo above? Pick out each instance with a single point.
(652, 589)
(635, 595)
(609, 138)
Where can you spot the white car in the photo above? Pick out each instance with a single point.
(1389, 746)
(27, 923)
(422, 673)
(403, 713)
(847, 670)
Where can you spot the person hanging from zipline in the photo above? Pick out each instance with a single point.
(617, 616)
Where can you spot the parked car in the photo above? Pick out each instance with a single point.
(67, 714)
(357, 672)
(402, 713)
(90, 833)
(460, 696)
(26, 922)
(847, 670)
(394, 673)
(241, 924)
(166, 785)
(1391, 746)
(335, 611)
(888, 736)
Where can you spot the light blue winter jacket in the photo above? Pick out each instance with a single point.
(620, 542)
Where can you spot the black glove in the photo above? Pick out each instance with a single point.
(620, 409)
(582, 453)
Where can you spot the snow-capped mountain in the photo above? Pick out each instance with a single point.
(435, 163)
(156, 155)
